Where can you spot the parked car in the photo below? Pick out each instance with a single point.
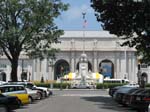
(119, 94)
(127, 97)
(141, 101)
(45, 91)
(34, 94)
(8, 103)
(114, 89)
(82, 86)
(16, 90)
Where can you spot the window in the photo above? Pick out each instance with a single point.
(11, 89)
(20, 88)
(115, 81)
(3, 66)
(30, 86)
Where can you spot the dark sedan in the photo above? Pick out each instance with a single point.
(127, 97)
(141, 100)
(119, 94)
(113, 90)
(8, 103)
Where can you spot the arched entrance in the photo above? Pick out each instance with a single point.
(106, 68)
(2, 76)
(24, 76)
(89, 66)
(61, 68)
(145, 77)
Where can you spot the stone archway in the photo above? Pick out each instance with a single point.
(106, 67)
(3, 76)
(145, 77)
(24, 76)
(61, 68)
(89, 66)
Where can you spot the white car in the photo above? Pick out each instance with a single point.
(34, 94)
(131, 85)
(81, 86)
(45, 91)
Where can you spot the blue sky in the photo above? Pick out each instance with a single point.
(72, 19)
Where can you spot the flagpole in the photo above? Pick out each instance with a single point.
(84, 20)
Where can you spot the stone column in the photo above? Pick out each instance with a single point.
(72, 67)
(118, 66)
(72, 62)
(95, 62)
(38, 72)
(130, 69)
(122, 65)
(51, 75)
(34, 69)
(44, 69)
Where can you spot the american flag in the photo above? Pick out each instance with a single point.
(84, 23)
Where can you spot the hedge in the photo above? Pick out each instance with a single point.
(67, 85)
(107, 85)
(55, 85)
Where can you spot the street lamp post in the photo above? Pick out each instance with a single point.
(61, 77)
(139, 74)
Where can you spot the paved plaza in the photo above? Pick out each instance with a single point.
(76, 101)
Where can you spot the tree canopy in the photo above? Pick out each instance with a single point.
(28, 26)
(129, 20)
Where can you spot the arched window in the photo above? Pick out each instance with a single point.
(106, 68)
(61, 68)
(3, 76)
(144, 76)
(24, 76)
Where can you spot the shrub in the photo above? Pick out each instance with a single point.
(55, 85)
(107, 85)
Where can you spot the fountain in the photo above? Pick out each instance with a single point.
(83, 76)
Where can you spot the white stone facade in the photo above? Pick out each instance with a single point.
(100, 47)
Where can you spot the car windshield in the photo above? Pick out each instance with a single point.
(124, 89)
(29, 85)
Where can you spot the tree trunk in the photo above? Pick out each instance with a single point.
(14, 65)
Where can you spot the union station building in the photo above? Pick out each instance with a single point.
(103, 50)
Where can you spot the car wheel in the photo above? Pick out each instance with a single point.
(3, 108)
(39, 96)
(45, 94)
(30, 99)
(19, 103)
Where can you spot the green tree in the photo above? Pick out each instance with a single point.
(27, 26)
(129, 20)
